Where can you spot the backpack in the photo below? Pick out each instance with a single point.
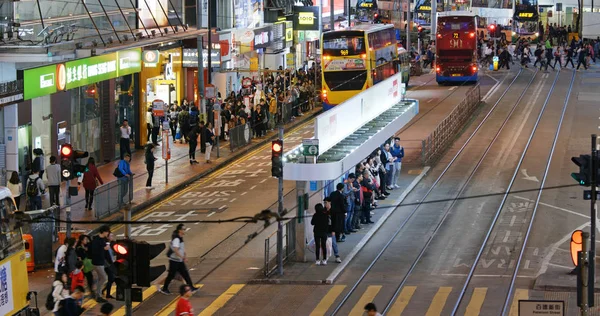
(50, 300)
(32, 187)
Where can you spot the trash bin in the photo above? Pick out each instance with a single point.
(74, 233)
(29, 247)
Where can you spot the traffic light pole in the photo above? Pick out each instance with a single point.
(593, 208)
(280, 223)
(584, 265)
(68, 208)
(127, 291)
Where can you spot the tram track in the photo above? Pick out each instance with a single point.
(431, 191)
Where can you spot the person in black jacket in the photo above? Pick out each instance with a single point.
(70, 305)
(193, 144)
(320, 221)
(149, 160)
(338, 212)
(98, 250)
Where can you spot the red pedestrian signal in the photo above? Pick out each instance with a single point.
(120, 249)
(65, 151)
(492, 27)
(277, 147)
(277, 158)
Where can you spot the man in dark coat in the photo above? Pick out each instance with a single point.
(338, 212)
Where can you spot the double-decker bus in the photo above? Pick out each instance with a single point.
(355, 59)
(526, 19)
(456, 47)
(13, 261)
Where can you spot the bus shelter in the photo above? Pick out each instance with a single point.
(344, 136)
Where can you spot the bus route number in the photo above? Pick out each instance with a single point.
(455, 35)
(344, 52)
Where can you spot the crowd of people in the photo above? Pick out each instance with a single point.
(354, 200)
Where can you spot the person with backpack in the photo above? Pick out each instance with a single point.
(54, 178)
(177, 260)
(98, 250)
(538, 56)
(194, 117)
(60, 291)
(35, 189)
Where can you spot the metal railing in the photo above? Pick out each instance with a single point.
(113, 196)
(446, 132)
(240, 136)
(289, 246)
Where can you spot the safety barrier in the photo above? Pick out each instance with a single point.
(240, 136)
(446, 132)
(113, 196)
(289, 247)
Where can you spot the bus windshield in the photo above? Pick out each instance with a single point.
(343, 45)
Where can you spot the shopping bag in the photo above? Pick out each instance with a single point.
(329, 247)
(311, 245)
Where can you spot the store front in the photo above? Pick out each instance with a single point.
(82, 102)
(306, 34)
(162, 79)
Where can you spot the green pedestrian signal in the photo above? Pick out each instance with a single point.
(583, 177)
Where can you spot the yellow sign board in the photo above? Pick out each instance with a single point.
(306, 18)
(254, 64)
(290, 61)
(366, 5)
(289, 31)
(525, 14)
(425, 8)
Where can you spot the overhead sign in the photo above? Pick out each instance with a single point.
(73, 74)
(306, 18)
(537, 308)
(310, 147)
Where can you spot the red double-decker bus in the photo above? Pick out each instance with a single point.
(456, 47)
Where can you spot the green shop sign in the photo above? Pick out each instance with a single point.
(72, 74)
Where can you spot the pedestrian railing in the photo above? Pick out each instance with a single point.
(240, 136)
(289, 247)
(113, 196)
(446, 132)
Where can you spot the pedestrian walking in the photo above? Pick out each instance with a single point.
(149, 160)
(581, 53)
(60, 260)
(71, 305)
(193, 144)
(123, 173)
(149, 124)
(109, 266)
(184, 123)
(184, 307)
(90, 182)
(349, 194)
(16, 188)
(332, 230)
(397, 152)
(320, 222)
(54, 178)
(34, 189)
(173, 115)
(557, 55)
(125, 138)
(209, 136)
(569, 57)
(177, 260)
(83, 255)
(371, 310)
(98, 250)
(60, 291)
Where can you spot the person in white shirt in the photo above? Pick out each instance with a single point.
(125, 138)
(16, 188)
(60, 257)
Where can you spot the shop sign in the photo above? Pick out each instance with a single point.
(209, 91)
(254, 64)
(299, 36)
(290, 61)
(190, 58)
(263, 37)
(39, 81)
(248, 13)
(225, 46)
(289, 31)
(366, 4)
(150, 58)
(246, 82)
(306, 18)
(158, 107)
(11, 99)
(278, 36)
(169, 73)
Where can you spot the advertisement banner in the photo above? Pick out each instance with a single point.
(242, 41)
(6, 284)
(76, 73)
(263, 37)
(334, 125)
(225, 45)
(254, 64)
(248, 13)
(344, 64)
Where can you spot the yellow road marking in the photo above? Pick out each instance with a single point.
(402, 300)
(204, 180)
(170, 308)
(439, 300)
(474, 307)
(145, 295)
(367, 297)
(327, 300)
(520, 294)
(90, 302)
(221, 300)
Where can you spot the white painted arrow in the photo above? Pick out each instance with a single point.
(528, 177)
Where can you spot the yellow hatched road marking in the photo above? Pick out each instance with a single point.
(366, 298)
(439, 300)
(145, 295)
(402, 300)
(327, 300)
(474, 307)
(90, 302)
(520, 294)
(169, 308)
(222, 300)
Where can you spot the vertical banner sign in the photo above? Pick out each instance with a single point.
(254, 64)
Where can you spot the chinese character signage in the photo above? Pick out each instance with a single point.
(306, 18)
(72, 74)
(263, 37)
(190, 58)
(6, 296)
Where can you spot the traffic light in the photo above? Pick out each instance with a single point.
(492, 30)
(420, 32)
(376, 18)
(144, 274)
(277, 158)
(584, 163)
(79, 169)
(125, 253)
(66, 162)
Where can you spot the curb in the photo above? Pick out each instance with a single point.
(171, 190)
(340, 268)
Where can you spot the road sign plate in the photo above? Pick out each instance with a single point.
(310, 147)
(541, 307)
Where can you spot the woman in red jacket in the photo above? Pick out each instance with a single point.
(89, 182)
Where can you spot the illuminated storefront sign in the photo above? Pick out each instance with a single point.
(306, 18)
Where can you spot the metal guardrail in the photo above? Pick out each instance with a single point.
(444, 134)
(112, 196)
(289, 247)
(11, 87)
(240, 136)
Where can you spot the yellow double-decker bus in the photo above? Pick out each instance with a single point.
(13, 264)
(355, 59)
